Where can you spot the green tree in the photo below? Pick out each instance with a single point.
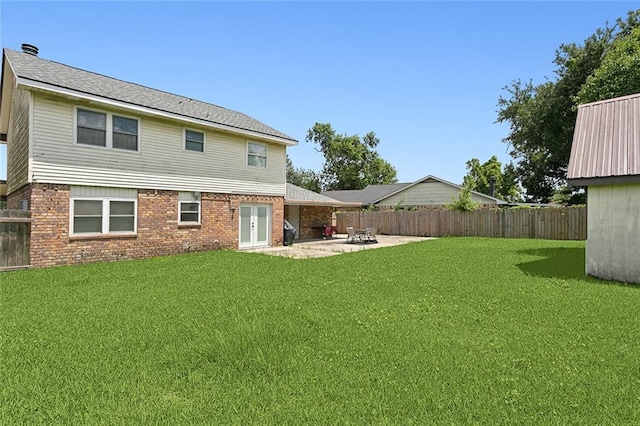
(618, 74)
(479, 175)
(463, 202)
(350, 162)
(304, 178)
(542, 117)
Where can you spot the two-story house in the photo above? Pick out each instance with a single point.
(114, 170)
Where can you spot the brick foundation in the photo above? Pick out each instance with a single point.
(158, 232)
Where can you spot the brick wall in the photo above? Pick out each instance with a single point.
(313, 219)
(158, 231)
(14, 200)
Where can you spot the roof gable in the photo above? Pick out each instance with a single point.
(373, 194)
(33, 70)
(606, 140)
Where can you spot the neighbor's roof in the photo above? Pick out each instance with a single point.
(49, 75)
(368, 195)
(375, 193)
(606, 142)
(300, 196)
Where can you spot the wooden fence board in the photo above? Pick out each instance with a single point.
(558, 223)
(15, 239)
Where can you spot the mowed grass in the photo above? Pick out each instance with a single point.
(455, 330)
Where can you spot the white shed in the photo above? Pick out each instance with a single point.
(605, 157)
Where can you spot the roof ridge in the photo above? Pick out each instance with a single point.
(117, 79)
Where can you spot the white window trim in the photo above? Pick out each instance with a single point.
(266, 156)
(180, 222)
(109, 130)
(184, 140)
(105, 216)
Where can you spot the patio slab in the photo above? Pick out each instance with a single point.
(334, 246)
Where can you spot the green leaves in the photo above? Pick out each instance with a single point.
(542, 118)
(350, 162)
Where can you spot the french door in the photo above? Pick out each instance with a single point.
(255, 225)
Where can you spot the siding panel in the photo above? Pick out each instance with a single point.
(18, 141)
(161, 163)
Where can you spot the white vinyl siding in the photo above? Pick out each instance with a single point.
(162, 162)
(18, 141)
(100, 210)
(429, 193)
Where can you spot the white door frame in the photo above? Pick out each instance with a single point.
(294, 219)
(254, 225)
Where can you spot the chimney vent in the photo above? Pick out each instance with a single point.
(30, 49)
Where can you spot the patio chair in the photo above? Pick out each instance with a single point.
(351, 234)
(371, 235)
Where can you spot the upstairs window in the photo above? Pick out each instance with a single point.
(257, 155)
(106, 130)
(125, 133)
(92, 128)
(193, 140)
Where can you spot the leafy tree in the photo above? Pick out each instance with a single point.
(350, 162)
(464, 202)
(542, 117)
(618, 74)
(568, 196)
(305, 178)
(479, 176)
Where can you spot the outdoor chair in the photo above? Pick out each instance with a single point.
(351, 234)
(371, 235)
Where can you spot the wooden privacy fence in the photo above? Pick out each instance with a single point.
(557, 223)
(15, 239)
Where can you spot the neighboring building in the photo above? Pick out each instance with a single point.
(310, 212)
(113, 170)
(428, 191)
(605, 157)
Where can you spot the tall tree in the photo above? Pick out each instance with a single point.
(542, 117)
(479, 176)
(619, 72)
(305, 178)
(350, 162)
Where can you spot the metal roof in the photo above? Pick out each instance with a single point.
(36, 70)
(300, 196)
(606, 141)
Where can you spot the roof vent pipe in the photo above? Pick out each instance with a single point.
(30, 49)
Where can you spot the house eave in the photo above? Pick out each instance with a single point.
(604, 180)
(320, 203)
(27, 84)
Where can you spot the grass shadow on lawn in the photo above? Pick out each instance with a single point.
(556, 262)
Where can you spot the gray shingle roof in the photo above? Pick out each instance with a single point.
(53, 73)
(298, 195)
(367, 195)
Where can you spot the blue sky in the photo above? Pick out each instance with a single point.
(424, 76)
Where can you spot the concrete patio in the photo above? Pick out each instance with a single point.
(333, 246)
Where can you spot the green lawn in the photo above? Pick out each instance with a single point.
(456, 330)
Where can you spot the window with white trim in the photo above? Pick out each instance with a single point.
(256, 155)
(193, 140)
(189, 208)
(103, 216)
(104, 129)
